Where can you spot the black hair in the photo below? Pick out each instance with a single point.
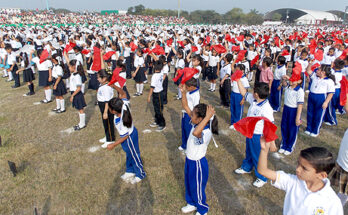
(116, 104)
(180, 52)
(338, 64)
(241, 67)
(191, 82)
(201, 110)
(229, 58)
(268, 61)
(104, 74)
(327, 70)
(262, 90)
(25, 59)
(8, 47)
(304, 52)
(120, 64)
(163, 59)
(79, 68)
(157, 66)
(320, 158)
(281, 60)
(200, 59)
(39, 52)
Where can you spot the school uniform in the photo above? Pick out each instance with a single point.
(212, 67)
(57, 71)
(235, 107)
(225, 88)
(197, 169)
(328, 59)
(43, 71)
(253, 146)
(247, 67)
(28, 75)
(205, 62)
(179, 64)
(12, 61)
(330, 113)
(276, 95)
(79, 100)
(130, 146)
(304, 64)
(300, 200)
(319, 90)
(165, 71)
(104, 95)
(289, 130)
(193, 98)
(140, 76)
(157, 98)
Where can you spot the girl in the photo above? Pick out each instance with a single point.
(77, 99)
(139, 74)
(180, 64)
(93, 82)
(225, 81)
(276, 90)
(309, 191)
(12, 63)
(128, 140)
(45, 74)
(291, 118)
(28, 75)
(104, 95)
(196, 165)
(59, 89)
(213, 64)
(3, 60)
(321, 93)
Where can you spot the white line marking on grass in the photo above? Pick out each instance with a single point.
(277, 155)
(94, 149)
(147, 131)
(69, 130)
(36, 103)
(52, 113)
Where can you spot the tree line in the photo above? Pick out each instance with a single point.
(233, 16)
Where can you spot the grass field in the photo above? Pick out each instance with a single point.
(59, 172)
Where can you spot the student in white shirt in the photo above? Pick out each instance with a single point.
(329, 58)
(28, 75)
(59, 89)
(104, 95)
(12, 62)
(180, 64)
(139, 74)
(309, 191)
(225, 81)
(276, 90)
(213, 67)
(156, 92)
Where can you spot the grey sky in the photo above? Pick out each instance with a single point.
(220, 6)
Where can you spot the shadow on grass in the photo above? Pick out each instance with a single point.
(227, 198)
(47, 206)
(90, 109)
(132, 199)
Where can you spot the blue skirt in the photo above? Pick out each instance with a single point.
(61, 89)
(28, 75)
(140, 76)
(212, 73)
(78, 101)
(93, 82)
(43, 78)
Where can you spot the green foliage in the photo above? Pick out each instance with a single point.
(276, 17)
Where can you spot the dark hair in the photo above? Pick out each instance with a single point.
(157, 66)
(39, 52)
(262, 89)
(201, 110)
(327, 70)
(120, 64)
(79, 68)
(103, 74)
(8, 47)
(281, 60)
(304, 52)
(241, 67)
(229, 57)
(320, 158)
(268, 61)
(200, 59)
(191, 82)
(116, 104)
(25, 59)
(180, 52)
(163, 59)
(338, 64)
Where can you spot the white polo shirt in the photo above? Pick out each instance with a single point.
(11, 59)
(304, 64)
(165, 70)
(244, 81)
(213, 60)
(57, 71)
(157, 82)
(105, 93)
(342, 158)
(44, 66)
(225, 70)
(263, 109)
(293, 97)
(122, 129)
(193, 98)
(300, 200)
(338, 77)
(345, 70)
(322, 85)
(180, 64)
(75, 81)
(328, 59)
(279, 72)
(197, 147)
(138, 61)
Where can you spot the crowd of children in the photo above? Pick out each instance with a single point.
(276, 63)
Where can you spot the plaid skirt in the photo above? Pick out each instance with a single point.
(339, 177)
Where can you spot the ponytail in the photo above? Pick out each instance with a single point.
(327, 70)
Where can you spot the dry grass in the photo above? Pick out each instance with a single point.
(58, 174)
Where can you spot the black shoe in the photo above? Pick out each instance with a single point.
(77, 127)
(56, 110)
(45, 101)
(60, 111)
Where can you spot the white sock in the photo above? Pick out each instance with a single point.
(138, 87)
(10, 76)
(211, 86)
(343, 198)
(179, 93)
(46, 94)
(58, 104)
(62, 104)
(5, 72)
(83, 88)
(141, 88)
(82, 120)
(49, 94)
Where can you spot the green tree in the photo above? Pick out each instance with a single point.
(139, 9)
(130, 10)
(234, 16)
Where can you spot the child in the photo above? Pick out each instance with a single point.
(259, 106)
(165, 72)
(77, 99)
(28, 75)
(196, 165)
(104, 95)
(45, 75)
(128, 139)
(180, 64)
(237, 100)
(304, 63)
(212, 69)
(225, 81)
(191, 99)
(3, 61)
(276, 90)
(266, 74)
(139, 74)
(309, 191)
(291, 118)
(58, 84)
(156, 91)
(321, 93)
(12, 62)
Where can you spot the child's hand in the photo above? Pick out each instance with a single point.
(17, 72)
(325, 105)
(148, 99)
(298, 122)
(133, 74)
(55, 87)
(105, 115)
(210, 111)
(110, 147)
(268, 146)
(182, 88)
(71, 98)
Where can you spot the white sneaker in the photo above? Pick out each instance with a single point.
(281, 151)
(327, 123)
(188, 209)
(307, 91)
(307, 132)
(106, 144)
(240, 171)
(135, 180)
(181, 148)
(102, 140)
(232, 127)
(259, 183)
(314, 135)
(287, 153)
(153, 125)
(127, 176)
